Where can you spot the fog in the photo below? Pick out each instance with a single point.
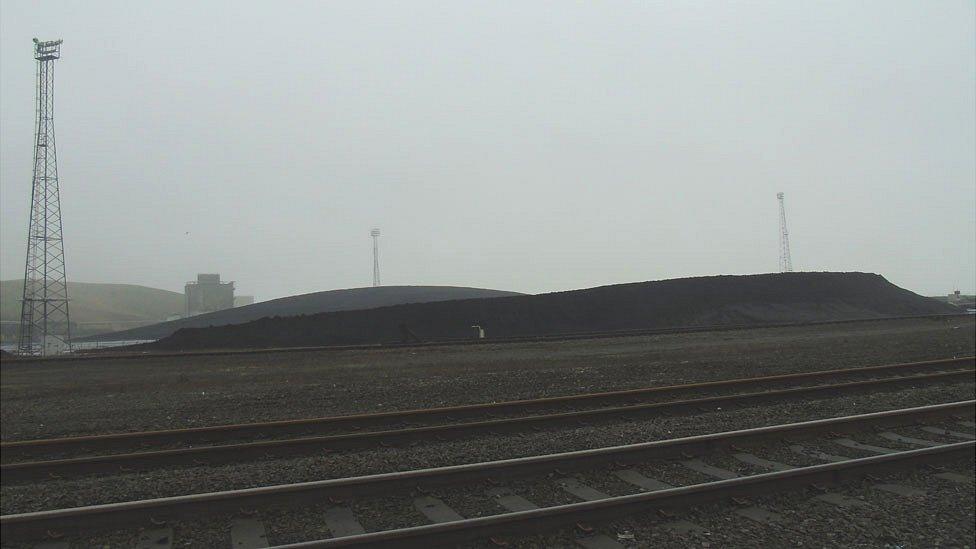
(526, 146)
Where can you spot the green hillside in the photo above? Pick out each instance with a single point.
(99, 308)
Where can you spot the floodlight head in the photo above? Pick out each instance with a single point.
(374, 232)
(779, 196)
(44, 51)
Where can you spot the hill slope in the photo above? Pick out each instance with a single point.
(786, 297)
(96, 306)
(318, 302)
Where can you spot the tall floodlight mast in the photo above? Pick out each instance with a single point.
(44, 322)
(785, 263)
(375, 233)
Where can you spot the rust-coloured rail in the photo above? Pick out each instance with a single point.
(212, 455)
(23, 450)
(32, 525)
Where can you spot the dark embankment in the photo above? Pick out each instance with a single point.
(755, 299)
(308, 304)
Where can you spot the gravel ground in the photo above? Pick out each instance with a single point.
(87, 491)
(851, 375)
(156, 393)
(944, 517)
(76, 398)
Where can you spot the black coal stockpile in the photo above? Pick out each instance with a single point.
(715, 300)
(307, 304)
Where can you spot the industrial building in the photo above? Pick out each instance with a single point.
(242, 300)
(208, 294)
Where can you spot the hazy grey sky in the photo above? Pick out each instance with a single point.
(530, 146)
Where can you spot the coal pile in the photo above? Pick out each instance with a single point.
(715, 300)
(318, 302)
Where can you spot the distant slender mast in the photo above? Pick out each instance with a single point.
(785, 262)
(375, 233)
(44, 322)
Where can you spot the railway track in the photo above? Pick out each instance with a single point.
(774, 458)
(19, 450)
(609, 409)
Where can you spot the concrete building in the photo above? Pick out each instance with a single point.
(208, 294)
(242, 300)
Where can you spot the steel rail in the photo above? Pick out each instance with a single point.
(548, 518)
(32, 525)
(20, 450)
(213, 455)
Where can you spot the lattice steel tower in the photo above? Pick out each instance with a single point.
(785, 263)
(44, 321)
(375, 233)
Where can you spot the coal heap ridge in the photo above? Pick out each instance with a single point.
(307, 304)
(714, 300)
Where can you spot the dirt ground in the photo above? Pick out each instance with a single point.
(107, 395)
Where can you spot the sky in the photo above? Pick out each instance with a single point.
(517, 145)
